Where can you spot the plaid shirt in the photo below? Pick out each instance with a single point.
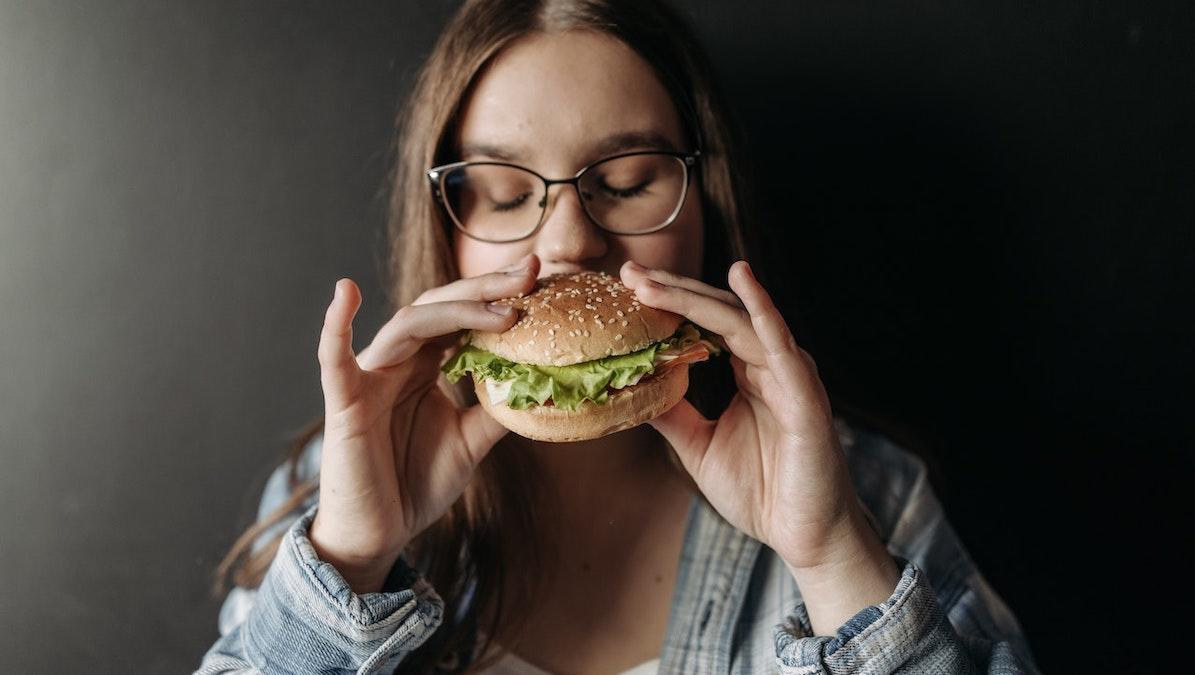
(736, 608)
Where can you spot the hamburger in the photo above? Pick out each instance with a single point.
(583, 360)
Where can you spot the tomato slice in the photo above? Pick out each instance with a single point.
(692, 354)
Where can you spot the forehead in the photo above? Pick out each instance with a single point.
(556, 98)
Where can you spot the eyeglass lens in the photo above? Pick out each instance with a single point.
(627, 195)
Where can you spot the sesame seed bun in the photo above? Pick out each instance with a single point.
(573, 318)
(628, 407)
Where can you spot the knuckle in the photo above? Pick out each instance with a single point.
(665, 276)
(324, 349)
(805, 356)
(405, 314)
(326, 354)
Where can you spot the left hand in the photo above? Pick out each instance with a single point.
(771, 465)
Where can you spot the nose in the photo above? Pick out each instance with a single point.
(568, 239)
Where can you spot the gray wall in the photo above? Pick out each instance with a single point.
(180, 186)
(983, 214)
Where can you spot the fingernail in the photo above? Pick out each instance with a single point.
(499, 308)
(747, 268)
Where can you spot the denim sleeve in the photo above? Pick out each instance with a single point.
(304, 618)
(941, 618)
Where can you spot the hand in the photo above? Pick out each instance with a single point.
(771, 465)
(396, 450)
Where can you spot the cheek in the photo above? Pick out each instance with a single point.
(474, 258)
(677, 248)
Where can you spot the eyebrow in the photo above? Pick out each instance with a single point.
(610, 145)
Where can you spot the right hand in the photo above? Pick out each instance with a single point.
(397, 453)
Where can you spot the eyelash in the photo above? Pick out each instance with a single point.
(512, 205)
(629, 192)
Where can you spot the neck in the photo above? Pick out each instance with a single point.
(606, 477)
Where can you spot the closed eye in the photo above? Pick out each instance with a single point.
(512, 204)
(625, 193)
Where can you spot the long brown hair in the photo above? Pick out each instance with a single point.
(469, 546)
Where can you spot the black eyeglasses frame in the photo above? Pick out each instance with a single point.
(435, 176)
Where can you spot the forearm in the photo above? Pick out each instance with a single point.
(858, 573)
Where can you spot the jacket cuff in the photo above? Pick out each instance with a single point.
(906, 629)
(307, 618)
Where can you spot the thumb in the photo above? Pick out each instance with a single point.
(687, 431)
(480, 431)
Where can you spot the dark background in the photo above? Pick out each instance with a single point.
(979, 223)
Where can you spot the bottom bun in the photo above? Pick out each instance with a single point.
(625, 408)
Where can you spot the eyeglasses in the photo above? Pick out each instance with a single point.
(631, 193)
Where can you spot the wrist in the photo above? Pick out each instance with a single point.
(363, 574)
(856, 572)
(845, 544)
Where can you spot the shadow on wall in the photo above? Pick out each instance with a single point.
(888, 235)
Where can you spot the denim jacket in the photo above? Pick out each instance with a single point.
(736, 608)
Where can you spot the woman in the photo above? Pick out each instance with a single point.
(771, 538)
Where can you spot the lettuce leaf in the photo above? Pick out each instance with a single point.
(566, 386)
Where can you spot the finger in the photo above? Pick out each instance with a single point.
(688, 432)
(751, 379)
(339, 373)
(510, 281)
(632, 272)
(413, 325)
(481, 432)
(781, 354)
(730, 321)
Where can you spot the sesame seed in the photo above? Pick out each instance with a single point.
(624, 323)
(551, 331)
(618, 336)
(619, 312)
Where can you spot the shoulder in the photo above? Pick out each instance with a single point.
(282, 483)
(278, 488)
(886, 476)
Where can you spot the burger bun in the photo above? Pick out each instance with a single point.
(624, 408)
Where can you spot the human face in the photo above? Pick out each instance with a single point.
(554, 103)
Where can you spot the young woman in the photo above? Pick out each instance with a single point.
(766, 537)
